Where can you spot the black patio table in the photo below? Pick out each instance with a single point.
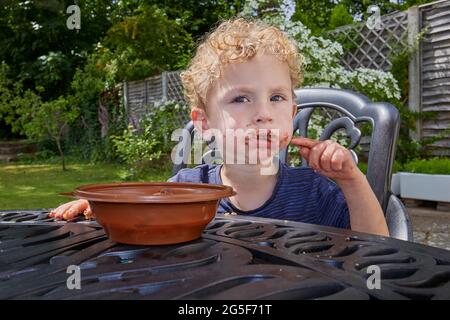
(238, 257)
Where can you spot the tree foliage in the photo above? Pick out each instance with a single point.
(49, 120)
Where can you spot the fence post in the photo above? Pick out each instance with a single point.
(125, 100)
(414, 69)
(146, 92)
(164, 86)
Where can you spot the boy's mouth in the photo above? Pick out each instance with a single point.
(263, 137)
(266, 137)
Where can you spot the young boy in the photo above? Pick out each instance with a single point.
(243, 77)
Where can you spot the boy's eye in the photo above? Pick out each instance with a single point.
(239, 99)
(278, 96)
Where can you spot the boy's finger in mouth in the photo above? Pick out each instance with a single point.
(304, 142)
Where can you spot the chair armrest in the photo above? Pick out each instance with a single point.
(398, 220)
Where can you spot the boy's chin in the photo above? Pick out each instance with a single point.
(260, 161)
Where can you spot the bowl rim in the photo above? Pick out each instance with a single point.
(215, 192)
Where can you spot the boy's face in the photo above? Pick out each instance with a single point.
(255, 94)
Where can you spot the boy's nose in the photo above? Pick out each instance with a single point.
(264, 118)
(263, 115)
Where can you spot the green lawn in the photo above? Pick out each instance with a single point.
(26, 186)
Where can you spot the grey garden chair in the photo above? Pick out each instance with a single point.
(355, 108)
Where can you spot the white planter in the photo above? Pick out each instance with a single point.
(395, 184)
(433, 187)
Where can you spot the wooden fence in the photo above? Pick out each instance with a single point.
(433, 83)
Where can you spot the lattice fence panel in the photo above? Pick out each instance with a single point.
(372, 47)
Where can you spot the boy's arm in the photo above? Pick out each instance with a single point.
(334, 161)
(366, 214)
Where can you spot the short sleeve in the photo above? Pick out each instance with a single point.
(199, 174)
(186, 175)
(174, 178)
(332, 206)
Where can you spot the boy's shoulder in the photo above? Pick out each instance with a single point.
(205, 173)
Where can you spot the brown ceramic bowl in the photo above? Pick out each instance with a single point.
(153, 213)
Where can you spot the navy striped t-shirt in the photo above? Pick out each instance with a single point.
(300, 195)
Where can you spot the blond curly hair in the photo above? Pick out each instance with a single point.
(236, 40)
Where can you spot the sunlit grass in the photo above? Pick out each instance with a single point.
(27, 186)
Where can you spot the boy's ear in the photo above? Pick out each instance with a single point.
(199, 118)
(294, 110)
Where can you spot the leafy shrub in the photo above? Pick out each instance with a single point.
(141, 148)
(430, 166)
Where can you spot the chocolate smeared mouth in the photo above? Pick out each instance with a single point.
(265, 136)
(260, 135)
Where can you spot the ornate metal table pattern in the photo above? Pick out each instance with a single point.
(237, 258)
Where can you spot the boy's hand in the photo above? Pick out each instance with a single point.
(72, 209)
(328, 158)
